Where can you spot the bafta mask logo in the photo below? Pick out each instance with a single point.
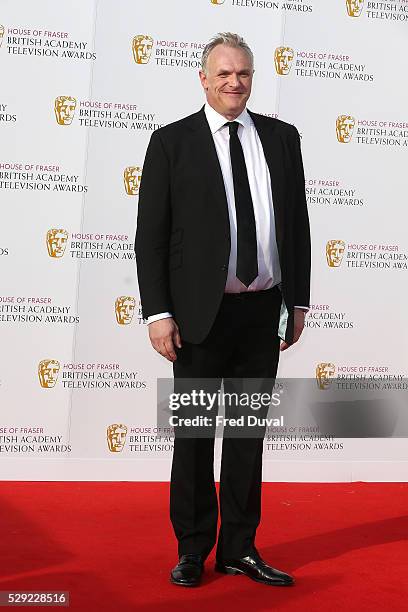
(324, 374)
(64, 108)
(283, 60)
(354, 7)
(125, 309)
(116, 437)
(217, 1)
(142, 46)
(344, 128)
(48, 370)
(56, 242)
(131, 178)
(1, 34)
(334, 252)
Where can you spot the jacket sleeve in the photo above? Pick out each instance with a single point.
(301, 234)
(153, 230)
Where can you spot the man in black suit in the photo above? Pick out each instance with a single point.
(223, 259)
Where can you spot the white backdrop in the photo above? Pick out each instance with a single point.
(62, 164)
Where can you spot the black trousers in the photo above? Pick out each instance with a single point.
(243, 343)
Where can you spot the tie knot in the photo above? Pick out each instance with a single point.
(233, 127)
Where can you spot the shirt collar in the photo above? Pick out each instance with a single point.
(216, 121)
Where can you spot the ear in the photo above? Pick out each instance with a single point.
(203, 79)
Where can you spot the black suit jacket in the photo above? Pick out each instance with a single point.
(183, 234)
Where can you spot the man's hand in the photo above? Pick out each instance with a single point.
(164, 334)
(299, 323)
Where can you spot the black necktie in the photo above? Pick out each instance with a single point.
(247, 261)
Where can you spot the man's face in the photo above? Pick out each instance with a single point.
(228, 81)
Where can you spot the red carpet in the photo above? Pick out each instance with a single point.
(111, 545)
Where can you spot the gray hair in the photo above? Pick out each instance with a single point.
(229, 39)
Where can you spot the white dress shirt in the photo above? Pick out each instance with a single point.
(269, 272)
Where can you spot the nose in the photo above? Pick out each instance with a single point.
(234, 81)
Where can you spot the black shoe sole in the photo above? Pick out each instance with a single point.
(233, 571)
(184, 584)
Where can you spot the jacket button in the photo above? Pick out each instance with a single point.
(224, 268)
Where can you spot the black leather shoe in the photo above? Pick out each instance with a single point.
(255, 568)
(188, 571)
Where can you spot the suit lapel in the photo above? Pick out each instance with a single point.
(205, 154)
(274, 155)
